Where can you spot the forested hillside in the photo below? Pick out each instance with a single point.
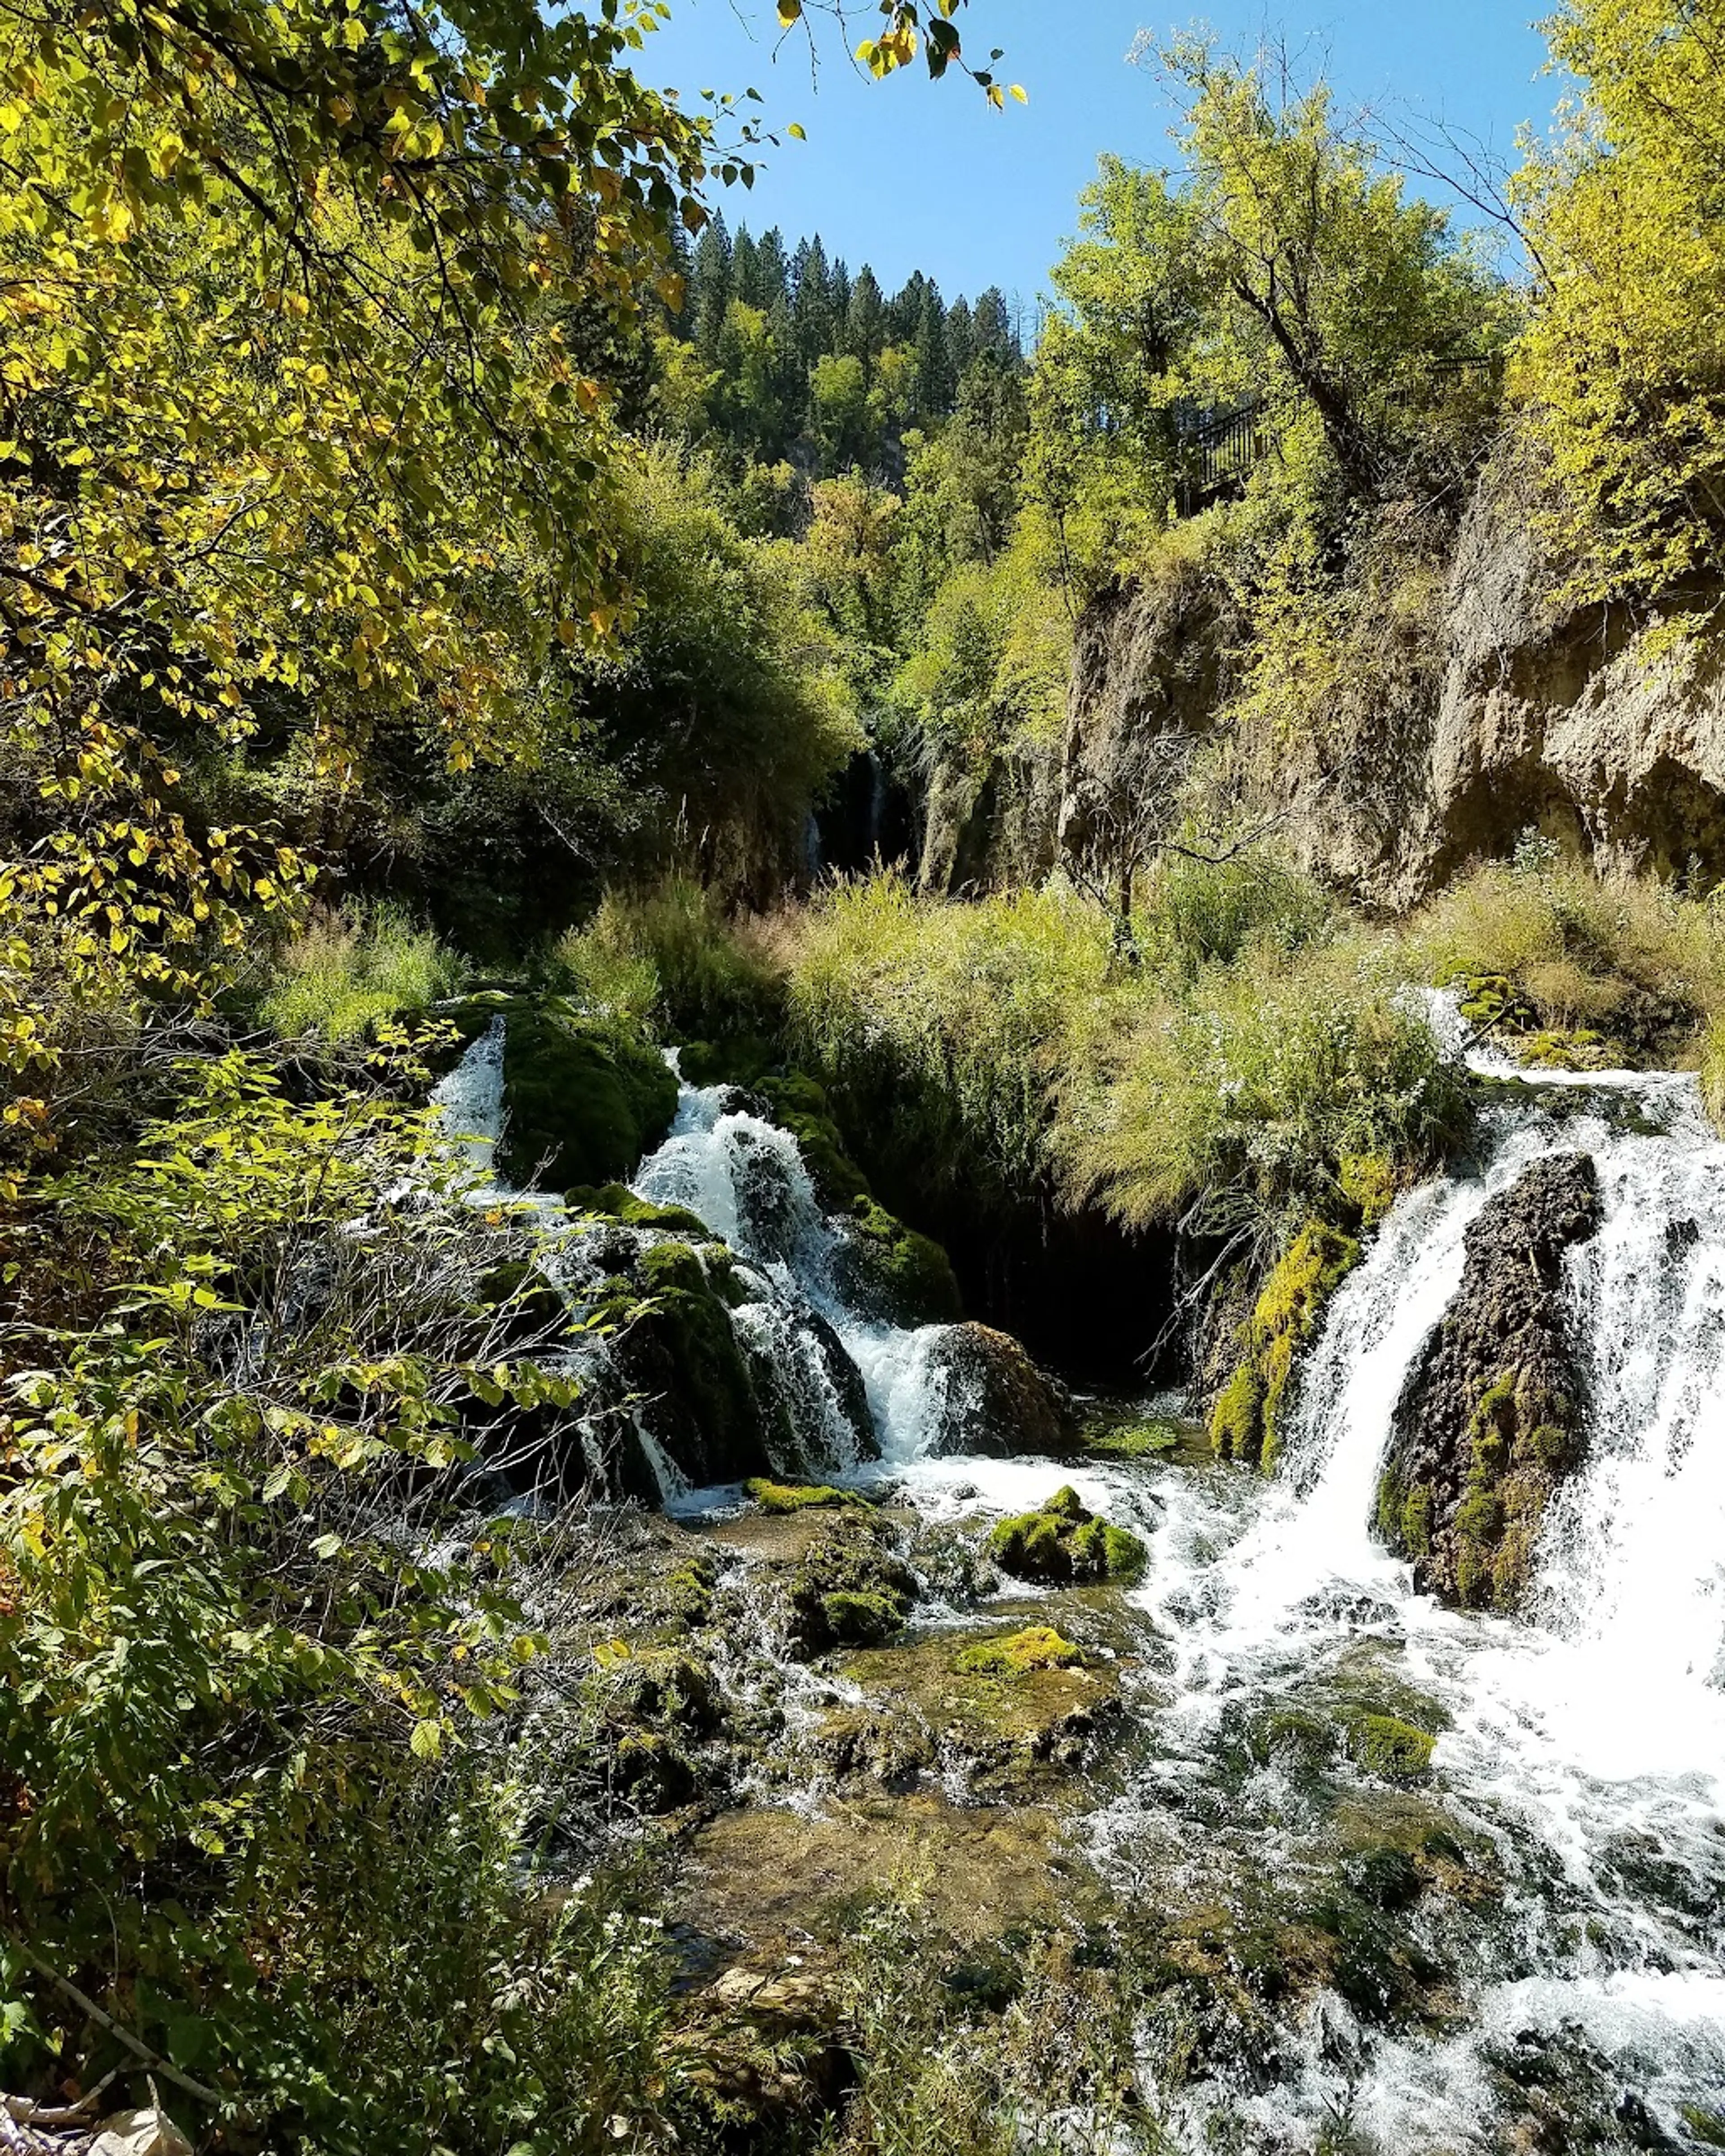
(666, 922)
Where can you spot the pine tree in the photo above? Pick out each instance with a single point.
(772, 269)
(993, 325)
(935, 380)
(961, 340)
(710, 288)
(865, 320)
(813, 301)
(745, 269)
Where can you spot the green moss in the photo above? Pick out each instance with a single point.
(1237, 1420)
(687, 1592)
(1038, 1647)
(856, 1619)
(781, 1497)
(1393, 1750)
(851, 1588)
(904, 1277)
(1247, 1422)
(616, 1201)
(585, 1098)
(1142, 1441)
(1706, 2127)
(1519, 1437)
(1063, 1541)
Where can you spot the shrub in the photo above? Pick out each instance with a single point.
(1546, 947)
(344, 974)
(1243, 1105)
(944, 1027)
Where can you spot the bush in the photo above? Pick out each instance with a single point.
(1549, 948)
(1201, 913)
(1250, 1102)
(344, 974)
(944, 1027)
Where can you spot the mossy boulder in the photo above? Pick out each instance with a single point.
(616, 1201)
(584, 1099)
(785, 1497)
(889, 1271)
(851, 1589)
(1063, 1542)
(676, 1349)
(994, 1400)
(1037, 1647)
(1394, 1750)
(1491, 1419)
(1249, 1420)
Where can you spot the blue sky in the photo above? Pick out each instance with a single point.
(908, 175)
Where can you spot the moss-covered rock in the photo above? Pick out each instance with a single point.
(675, 1347)
(851, 1588)
(994, 1399)
(1392, 1749)
(616, 1201)
(889, 1271)
(1250, 1419)
(1037, 1647)
(798, 1496)
(1063, 1541)
(584, 1098)
(1491, 1419)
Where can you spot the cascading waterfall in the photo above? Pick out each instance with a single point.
(746, 1178)
(1585, 1741)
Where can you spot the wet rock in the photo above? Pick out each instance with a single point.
(1491, 1418)
(997, 1403)
(852, 1588)
(1064, 1541)
(584, 1099)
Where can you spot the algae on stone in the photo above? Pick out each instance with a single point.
(1037, 1647)
(1063, 1541)
(1249, 1421)
(798, 1496)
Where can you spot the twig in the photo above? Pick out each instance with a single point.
(135, 2044)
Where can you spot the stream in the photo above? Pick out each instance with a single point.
(1581, 1756)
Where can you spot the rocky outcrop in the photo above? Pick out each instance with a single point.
(1491, 1418)
(990, 1398)
(1509, 710)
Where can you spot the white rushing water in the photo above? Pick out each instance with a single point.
(1585, 1742)
(1587, 1739)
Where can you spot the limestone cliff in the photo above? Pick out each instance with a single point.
(1506, 711)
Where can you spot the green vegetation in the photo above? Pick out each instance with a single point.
(1037, 1647)
(1063, 1541)
(1393, 1750)
(784, 1497)
(341, 976)
(1247, 1423)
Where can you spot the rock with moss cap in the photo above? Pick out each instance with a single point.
(585, 1099)
(1064, 1541)
(851, 1589)
(1491, 1419)
(785, 1497)
(994, 1400)
(1037, 1647)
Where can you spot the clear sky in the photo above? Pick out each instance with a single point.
(911, 175)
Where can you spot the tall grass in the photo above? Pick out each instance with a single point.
(948, 1025)
(1632, 958)
(1270, 1090)
(346, 973)
(673, 959)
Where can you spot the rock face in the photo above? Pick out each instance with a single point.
(1491, 1418)
(1516, 712)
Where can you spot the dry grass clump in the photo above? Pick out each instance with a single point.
(1630, 958)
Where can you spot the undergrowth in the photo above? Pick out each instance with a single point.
(345, 974)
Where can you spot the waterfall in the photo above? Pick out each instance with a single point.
(1588, 1736)
(746, 1178)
